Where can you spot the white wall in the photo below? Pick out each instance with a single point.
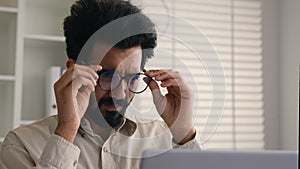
(289, 69)
(281, 50)
(270, 38)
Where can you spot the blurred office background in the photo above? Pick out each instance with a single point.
(256, 41)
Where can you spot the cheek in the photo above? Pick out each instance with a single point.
(130, 95)
(99, 93)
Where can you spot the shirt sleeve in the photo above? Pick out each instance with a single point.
(192, 144)
(57, 154)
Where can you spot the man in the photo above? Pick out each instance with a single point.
(91, 129)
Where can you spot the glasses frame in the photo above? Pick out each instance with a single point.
(126, 78)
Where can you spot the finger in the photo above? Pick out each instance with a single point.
(91, 69)
(175, 86)
(86, 91)
(153, 85)
(153, 73)
(159, 100)
(172, 79)
(160, 76)
(87, 71)
(62, 83)
(163, 74)
(95, 67)
(169, 83)
(80, 83)
(77, 70)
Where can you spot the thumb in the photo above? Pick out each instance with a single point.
(153, 85)
(159, 100)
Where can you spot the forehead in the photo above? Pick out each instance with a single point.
(121, 59)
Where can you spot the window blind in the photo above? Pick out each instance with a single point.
(234, 29)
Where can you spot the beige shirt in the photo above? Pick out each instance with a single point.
(36, 146)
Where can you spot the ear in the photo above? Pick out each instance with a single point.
(70, 62)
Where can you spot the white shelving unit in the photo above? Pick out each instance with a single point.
(31, 41)
(8, 48)
(52, 38)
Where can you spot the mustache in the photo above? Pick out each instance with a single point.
(112, 101)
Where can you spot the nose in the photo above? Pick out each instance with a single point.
(120, 91)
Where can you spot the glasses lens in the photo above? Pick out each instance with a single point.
(109, 80)
(138, 83)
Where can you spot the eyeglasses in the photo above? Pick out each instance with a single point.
(110, 80)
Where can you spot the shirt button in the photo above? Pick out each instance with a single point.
(74, 163)
(104, 149)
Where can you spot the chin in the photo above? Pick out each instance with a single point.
(113, 118)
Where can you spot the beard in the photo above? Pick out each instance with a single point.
(113, 117)
(103, 117)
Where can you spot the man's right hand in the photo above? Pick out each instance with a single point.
(72, 92)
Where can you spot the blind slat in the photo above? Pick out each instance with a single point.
(235, 33)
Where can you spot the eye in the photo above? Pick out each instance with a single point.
(138, 83)
(109, 80)
(107, 76)
(135, 77)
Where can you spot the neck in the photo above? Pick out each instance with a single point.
(99, 124)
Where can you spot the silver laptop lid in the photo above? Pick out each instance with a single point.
(192, 159)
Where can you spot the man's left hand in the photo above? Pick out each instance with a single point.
(175, 107)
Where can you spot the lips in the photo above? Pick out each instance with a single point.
(112, 107)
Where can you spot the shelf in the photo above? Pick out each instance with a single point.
(46, 17)
(8, 9)
(31, 41)
(39, 56)
(9, 3)
(45, 38)
(7, 78)
(7, 43)
(6, 104)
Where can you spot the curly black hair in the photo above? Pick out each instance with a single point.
(88, 16)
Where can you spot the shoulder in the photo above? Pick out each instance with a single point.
(35, 133)
(152, 122)
(29, 139)
(150, 127)
(43, 126)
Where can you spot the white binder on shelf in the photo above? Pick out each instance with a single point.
(53, 74)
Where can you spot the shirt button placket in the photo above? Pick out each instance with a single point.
(105, 149)
(74, 163)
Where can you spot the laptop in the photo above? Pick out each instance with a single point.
(195, 159)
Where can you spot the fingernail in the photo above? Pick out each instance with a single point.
(95, 75)
(147, 80)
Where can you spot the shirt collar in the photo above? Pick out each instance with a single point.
(127, 127)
